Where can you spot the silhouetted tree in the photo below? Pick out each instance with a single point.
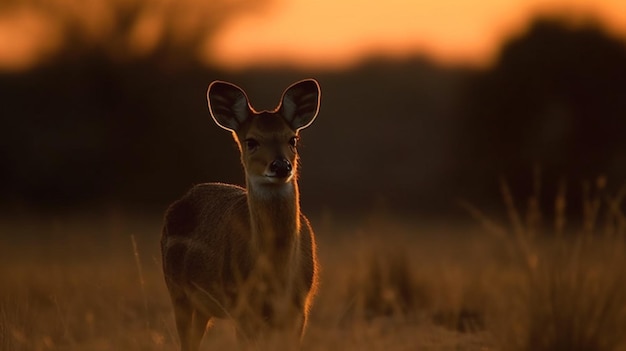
(102, 121)
(172, 32)
(555, 99)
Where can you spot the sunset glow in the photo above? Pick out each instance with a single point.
(318, 34)
(24, 38)
(339, 33)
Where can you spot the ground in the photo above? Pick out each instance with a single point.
(94, 282)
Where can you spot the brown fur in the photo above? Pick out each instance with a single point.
(245, 254)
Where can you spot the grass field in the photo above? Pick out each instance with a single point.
(93, 282)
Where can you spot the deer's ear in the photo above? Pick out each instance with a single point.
(300, 103)
(228, 105)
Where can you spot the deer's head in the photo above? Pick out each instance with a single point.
(268, 139)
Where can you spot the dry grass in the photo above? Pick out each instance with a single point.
(566, 283)
(72, 284)
(94, 283)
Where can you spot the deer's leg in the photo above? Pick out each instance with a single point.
(191, 321)
(190, 324)
(199, 325)
(183, 314)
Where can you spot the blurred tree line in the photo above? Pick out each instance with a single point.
(555, 101)
(88, 128)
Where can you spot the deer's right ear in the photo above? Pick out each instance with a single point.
(301, 103)
(228, 105)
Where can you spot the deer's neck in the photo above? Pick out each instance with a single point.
(275, 218)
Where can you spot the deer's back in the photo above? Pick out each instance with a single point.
(204, 207)
(205, 233)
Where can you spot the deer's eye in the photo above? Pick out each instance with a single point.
(251, 144)
(293, 141)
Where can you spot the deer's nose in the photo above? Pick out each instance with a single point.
(280, 168)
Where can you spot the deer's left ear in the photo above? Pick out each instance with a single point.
(228, 105)
(301, 103)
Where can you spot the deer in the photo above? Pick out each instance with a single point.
(246, 254)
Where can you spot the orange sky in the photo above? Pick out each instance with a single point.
(337, 33)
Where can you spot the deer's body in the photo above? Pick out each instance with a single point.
(245, 254)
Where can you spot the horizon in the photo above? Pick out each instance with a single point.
(265, 37)
(470, 37)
